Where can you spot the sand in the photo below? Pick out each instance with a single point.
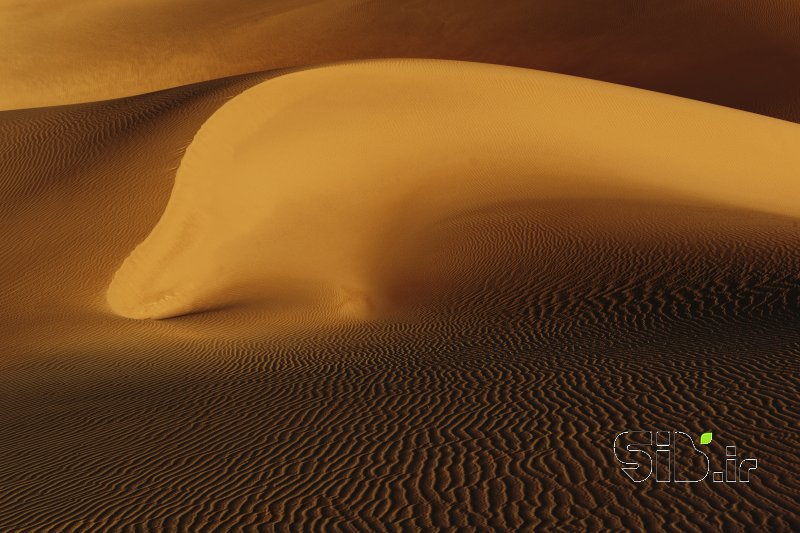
(400, 145)
(405, 293)
(737, 53)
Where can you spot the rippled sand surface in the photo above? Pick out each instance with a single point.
(395, 293)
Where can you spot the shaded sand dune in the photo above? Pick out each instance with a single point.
(399, 144)
(737, 53)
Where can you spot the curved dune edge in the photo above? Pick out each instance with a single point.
(297, 188)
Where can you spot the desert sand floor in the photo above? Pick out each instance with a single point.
(512, 341)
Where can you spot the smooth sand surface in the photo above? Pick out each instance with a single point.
(411, 294)
(399, 145)
(737, 53)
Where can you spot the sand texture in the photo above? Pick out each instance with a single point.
(739, 53)
(364, 266)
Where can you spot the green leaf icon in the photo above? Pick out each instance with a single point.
(705, 438)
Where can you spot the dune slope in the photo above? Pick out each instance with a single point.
(737, 53)
(310, 178)
(490, 406)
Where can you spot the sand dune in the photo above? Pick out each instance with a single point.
(421, 295)
(398, 145)
(737, 53)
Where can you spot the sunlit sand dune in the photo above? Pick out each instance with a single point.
(395, 294)
(310, 178)
(738, 53)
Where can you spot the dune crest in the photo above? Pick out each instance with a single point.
(310, 179)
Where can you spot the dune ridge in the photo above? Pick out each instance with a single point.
(399, 144)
